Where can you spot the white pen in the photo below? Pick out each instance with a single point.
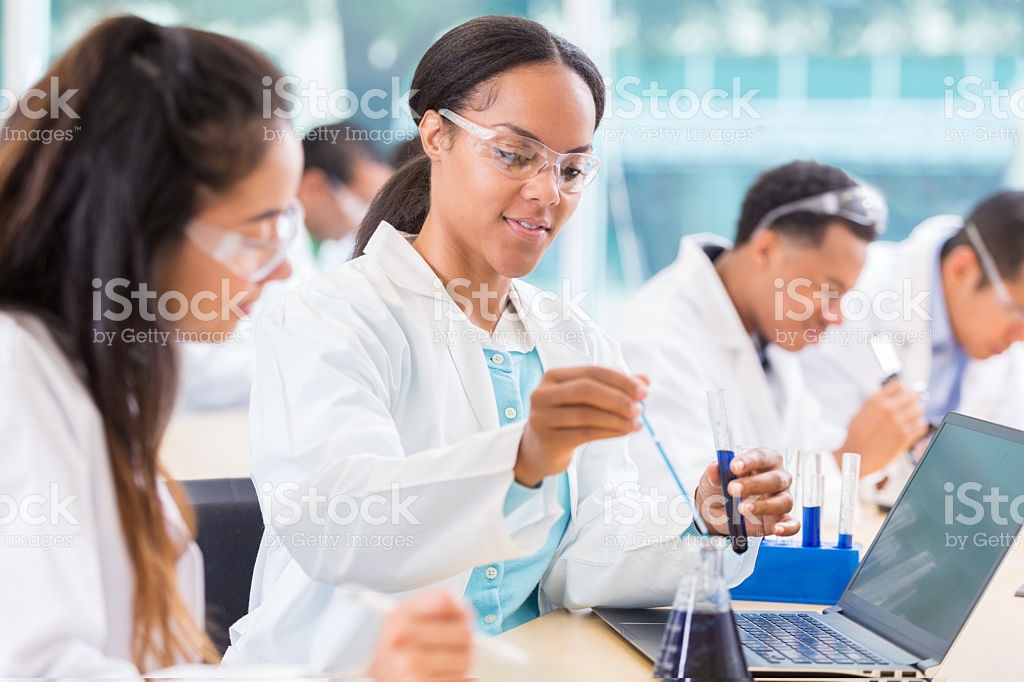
(384, 604)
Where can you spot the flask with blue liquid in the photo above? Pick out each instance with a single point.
(701, 641)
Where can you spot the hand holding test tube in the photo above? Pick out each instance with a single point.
(724, 450)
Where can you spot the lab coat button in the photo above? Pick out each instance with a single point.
(490, 619)
(498, 358)
(510, 413)
(491, 573)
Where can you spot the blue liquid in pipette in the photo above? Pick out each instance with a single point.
(845, 541)
(737, 526)
(812, 526)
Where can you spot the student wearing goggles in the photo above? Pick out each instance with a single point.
(950, 300)
(731, 316)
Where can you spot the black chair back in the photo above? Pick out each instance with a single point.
(230, 529)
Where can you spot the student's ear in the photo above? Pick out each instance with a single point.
(314, 180)
(766, 247)
(962, 266)
(432, 135)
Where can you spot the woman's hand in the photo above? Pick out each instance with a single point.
(428, 637)
(762, 484)
(573, 406)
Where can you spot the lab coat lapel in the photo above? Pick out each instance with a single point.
(468, 357)
(403, 265)
(920, 255)
(725, 329)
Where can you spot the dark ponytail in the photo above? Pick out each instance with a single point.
(449, 74)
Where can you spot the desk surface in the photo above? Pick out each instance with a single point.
(571, 646)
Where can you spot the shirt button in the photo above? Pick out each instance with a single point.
(491, 573)
(498, 358)
(510, 413)
(490, 619)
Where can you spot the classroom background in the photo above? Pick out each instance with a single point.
(914, 96)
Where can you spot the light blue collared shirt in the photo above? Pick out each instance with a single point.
(505, 593)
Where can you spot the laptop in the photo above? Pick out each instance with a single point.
(916, 585)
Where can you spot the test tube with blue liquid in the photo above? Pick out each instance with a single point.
(725, 452)
(812, 496)
(848, 502)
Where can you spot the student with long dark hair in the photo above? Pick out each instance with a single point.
(437, 420)
(143, 208)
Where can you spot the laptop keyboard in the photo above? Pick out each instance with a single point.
(799, 638)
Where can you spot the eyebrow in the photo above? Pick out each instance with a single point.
(839, 284)
(585, 149)
(266, 215)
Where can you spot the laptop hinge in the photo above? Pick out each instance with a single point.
(926, 663)
(833, 609)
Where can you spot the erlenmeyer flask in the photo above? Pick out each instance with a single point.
(701, 641)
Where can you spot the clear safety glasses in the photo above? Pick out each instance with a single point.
(988, 266)
(522, 158)
(253, 258)
(860, 204)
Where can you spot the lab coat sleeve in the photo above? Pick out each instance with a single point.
(842, 376)
(623, 549)
(54, 620)
(322, 429)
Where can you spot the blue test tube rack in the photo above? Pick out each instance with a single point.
(799, 575)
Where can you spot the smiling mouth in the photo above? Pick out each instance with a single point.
(528, 230)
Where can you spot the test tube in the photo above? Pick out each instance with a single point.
(848, 501)
(791, 463)
(813, 492)
(724, 451)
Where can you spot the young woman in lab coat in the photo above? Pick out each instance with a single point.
(154, 175)
(422, 416)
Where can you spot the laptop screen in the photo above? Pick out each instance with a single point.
(945, 537)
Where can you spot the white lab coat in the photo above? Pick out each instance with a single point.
(845, 369)
(67, 611)
(370, 376)
(682, 330)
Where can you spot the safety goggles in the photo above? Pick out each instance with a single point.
(522, 158)
(253, 258)
(859, 204)
(988, 266)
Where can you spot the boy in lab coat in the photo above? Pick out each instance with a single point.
(731, 316)
(954, 310)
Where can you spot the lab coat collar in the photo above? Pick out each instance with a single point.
(558, 344)
(392, 251)
(722, 323)
(717, 308)
(920, 254)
